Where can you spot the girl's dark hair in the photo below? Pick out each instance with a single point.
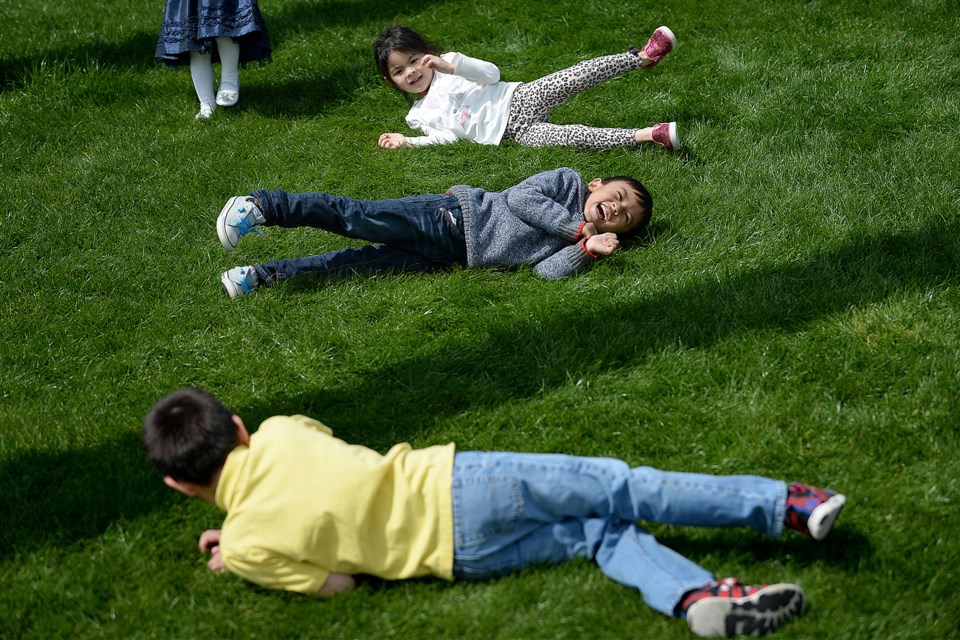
(396, 37)
(188, 434)
(646, 200)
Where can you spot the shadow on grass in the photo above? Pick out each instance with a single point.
(515, 360)
(846, 549)
(62, 498)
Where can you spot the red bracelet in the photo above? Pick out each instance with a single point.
(583, 247)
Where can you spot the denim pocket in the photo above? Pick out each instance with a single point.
(485, 507)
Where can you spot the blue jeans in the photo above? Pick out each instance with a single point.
(512, 509)
(417, 233)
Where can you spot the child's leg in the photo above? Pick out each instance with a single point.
(229, 71)
(533, 101)
(201, 70)
(430, 225)
(541, 134)
(558, 486)
(371, 259)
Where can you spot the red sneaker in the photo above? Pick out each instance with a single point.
(812, 510)
(665, 135)
(727, 608)
(658, 46)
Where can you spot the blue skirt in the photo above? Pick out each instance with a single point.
(193, 25)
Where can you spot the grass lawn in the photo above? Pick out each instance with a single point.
(793, 311)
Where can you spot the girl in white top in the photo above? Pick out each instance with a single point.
(458, 97)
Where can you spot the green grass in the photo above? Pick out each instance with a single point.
(792, 313)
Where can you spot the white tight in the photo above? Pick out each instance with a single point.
(201, 69)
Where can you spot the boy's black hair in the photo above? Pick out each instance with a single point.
(188, 434)
(646, 200)
(396, 37)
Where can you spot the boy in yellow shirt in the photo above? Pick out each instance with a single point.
(306, 512)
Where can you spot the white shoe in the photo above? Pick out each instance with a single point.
(228, 97)
(239, 281)
(206, 110)
(238, 218)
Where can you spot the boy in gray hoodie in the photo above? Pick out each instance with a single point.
(552, 220)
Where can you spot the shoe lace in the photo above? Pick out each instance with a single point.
(244, 226)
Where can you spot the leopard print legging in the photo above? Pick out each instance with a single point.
(533, 101)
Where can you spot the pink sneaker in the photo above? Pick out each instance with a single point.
(665, 135)
(659, 45)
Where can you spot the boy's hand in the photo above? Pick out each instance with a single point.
(210, 541)
(436, 63)
(589, 229)
(603, 244)
(393, 141)
(215, 563)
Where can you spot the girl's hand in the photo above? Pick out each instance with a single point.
(393, 141)
(603, 244)
(436, 63)
(588, 230)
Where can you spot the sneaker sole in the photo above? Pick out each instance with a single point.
(754, 615)
(674, 137)
(222, 223)
(229, 286)
(673, 38)
(823, 517)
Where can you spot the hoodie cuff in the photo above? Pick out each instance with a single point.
(583, 247)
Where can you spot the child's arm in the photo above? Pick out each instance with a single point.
(545, 200)
(473, 69)
(434, 136)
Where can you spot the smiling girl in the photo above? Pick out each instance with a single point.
(458, 97)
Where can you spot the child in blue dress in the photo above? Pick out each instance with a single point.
(201, 32)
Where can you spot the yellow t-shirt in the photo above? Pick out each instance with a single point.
(301, 503)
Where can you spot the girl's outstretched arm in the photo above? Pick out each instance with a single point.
(393, 141)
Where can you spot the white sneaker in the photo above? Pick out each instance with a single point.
(239, 281)
(206, 110)
(238, 217)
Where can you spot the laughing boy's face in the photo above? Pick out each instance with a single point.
(613, 207)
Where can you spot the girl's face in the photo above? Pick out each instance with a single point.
(407, 74)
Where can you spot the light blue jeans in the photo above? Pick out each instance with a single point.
(513, 509)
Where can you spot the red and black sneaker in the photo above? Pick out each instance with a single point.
(726, 608)
(812, 510)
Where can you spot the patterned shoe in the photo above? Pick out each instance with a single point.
(665, 135)
(658, 46)
(728, 608)
(812, 510)
(237, 218)
(239, 281)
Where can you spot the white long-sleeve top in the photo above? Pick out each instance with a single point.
(469, 104)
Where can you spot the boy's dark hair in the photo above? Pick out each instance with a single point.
(188, 434)
(396, 37)
(646, 200)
